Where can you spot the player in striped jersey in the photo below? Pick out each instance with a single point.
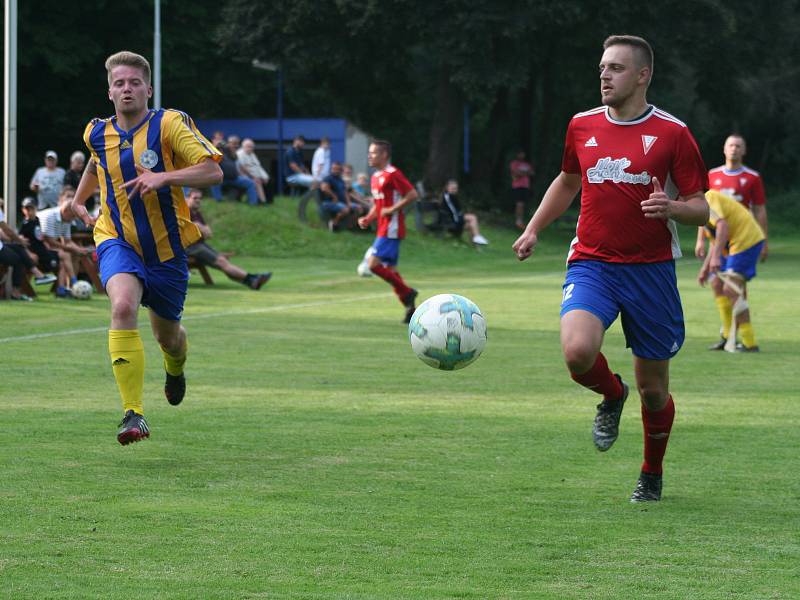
(142, 158)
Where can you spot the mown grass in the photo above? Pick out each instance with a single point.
(316, 457)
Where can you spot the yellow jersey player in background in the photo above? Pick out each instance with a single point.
(142, 158)
(736, 243)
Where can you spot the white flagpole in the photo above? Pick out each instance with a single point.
(10, 107)
(157, 57)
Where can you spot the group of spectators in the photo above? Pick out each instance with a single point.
(242, 171)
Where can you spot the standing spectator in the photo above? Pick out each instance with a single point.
(335, 200)
(297, 172)
(48, 180)
(321, 161)
(622, 261)
(250, 166)
(205, 254)
(741, 183)
(392, 193)
(58, 237)
(521, 173)
(31, 230)
(454, 219)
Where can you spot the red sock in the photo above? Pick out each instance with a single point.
(394, 279)
(600, 379)
(657, 425)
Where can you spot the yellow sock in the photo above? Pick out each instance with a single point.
(173, 363)
(725, 313)
(748, 337)
(127, 363)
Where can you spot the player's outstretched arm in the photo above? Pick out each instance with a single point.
(556, 200)
(204, 174)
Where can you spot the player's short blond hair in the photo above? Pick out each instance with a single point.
(128, 59)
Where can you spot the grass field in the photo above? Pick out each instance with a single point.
(316, 457)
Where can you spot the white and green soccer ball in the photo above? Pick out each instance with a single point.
(447, 332)
(82, 290)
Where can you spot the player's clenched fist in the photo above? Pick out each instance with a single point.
(525, 244)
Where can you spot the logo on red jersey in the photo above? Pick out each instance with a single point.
(607, 169)
(648, 141)
(591, 142)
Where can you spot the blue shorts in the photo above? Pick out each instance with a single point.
(743, 263)
(332, 207)
(164, 283)
(386, 249)
(646, 295)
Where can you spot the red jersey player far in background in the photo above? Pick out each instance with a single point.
(392, 192)
(622, 258)
(740, 183)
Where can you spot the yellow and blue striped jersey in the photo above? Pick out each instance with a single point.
(744, 231)
(157, 225)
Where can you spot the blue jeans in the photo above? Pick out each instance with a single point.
(241, 183)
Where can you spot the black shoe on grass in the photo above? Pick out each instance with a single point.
(720, 345)
(606, 422)
(175, 388)
(132, 428)
(408, 302)
(648, 488)
(740, 347)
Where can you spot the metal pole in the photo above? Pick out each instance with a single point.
(157, 57)
(466, 138)
(10, 120)
(280, 131)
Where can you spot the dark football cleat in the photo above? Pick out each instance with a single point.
(132, 428)
(606, 422)
(408, 302)
(259, 280)
(720, 345)
(740, 347)
(648, 488)
(175, 388)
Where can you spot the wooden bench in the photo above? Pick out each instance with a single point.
(193, 264)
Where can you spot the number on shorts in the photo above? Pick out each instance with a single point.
(567, 292)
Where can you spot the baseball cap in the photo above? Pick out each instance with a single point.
(28, 202)
(51, 154)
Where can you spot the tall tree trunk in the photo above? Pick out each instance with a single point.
(445, 133)
(491, 165)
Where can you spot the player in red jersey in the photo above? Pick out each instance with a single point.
(622, 258)
(739, 182)
(391, 192)
(744, 185)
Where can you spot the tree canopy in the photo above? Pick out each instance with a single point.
(406, 71)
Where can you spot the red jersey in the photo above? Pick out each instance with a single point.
(388, 187)
(742, 184)
(617, 161)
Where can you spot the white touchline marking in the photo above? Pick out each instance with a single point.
(252, 311)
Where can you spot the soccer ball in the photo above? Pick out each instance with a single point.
(82, 290)
(447, 332)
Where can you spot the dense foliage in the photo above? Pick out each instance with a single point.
(407, 70)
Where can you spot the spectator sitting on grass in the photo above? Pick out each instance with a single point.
(250, 166)
(335, 200)
(454, 220)
(31, 230)
(14, 254)
(58, 237)
(206, 255)
(360, 193)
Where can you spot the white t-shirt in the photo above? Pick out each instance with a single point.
(321, 163)
(50, 184)
(53, 226)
